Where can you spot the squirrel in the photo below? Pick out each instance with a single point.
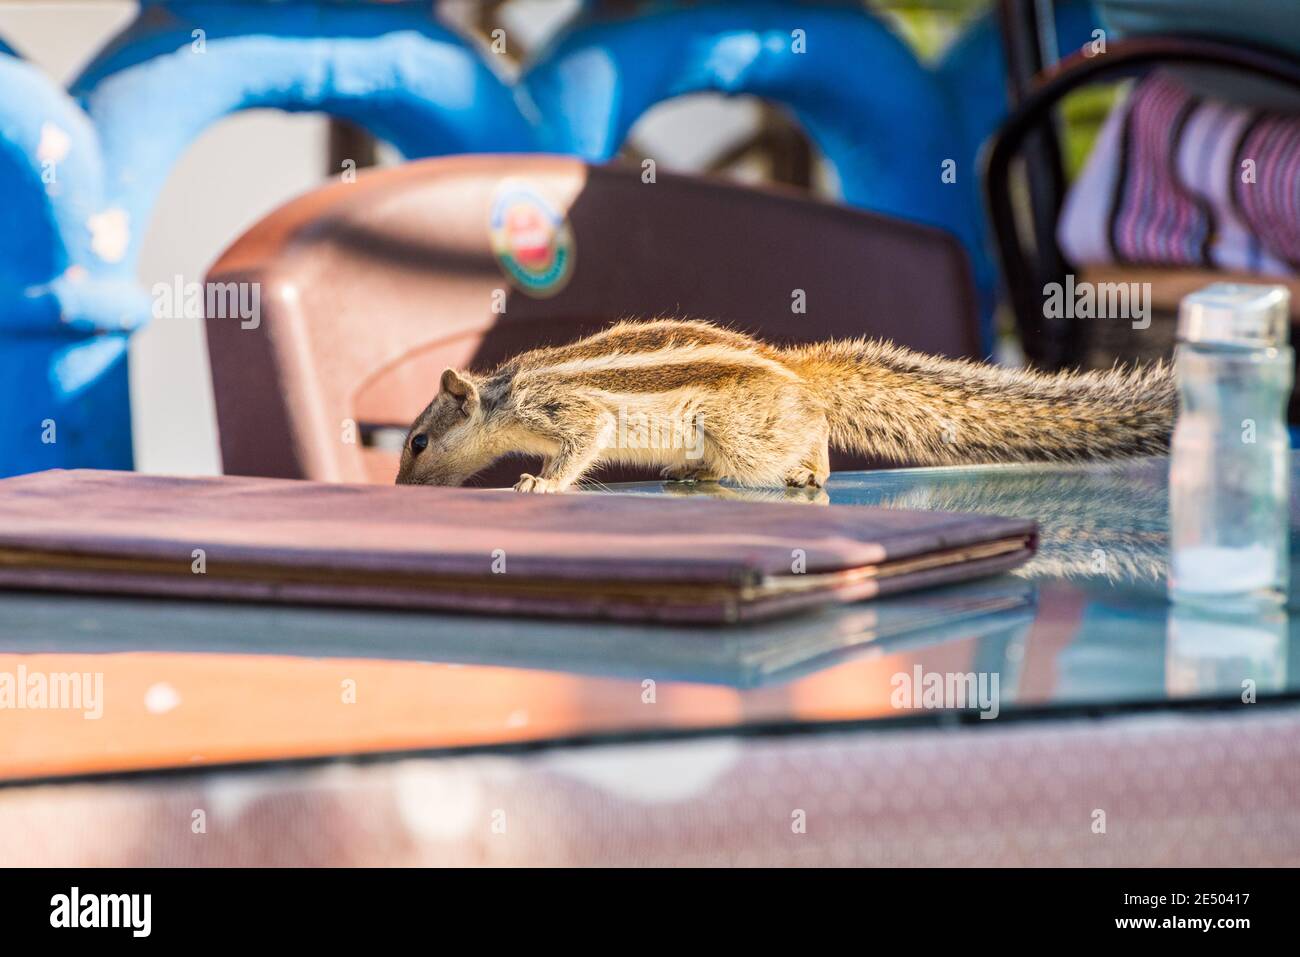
(708, 403)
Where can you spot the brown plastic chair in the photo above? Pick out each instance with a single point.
(369, 289)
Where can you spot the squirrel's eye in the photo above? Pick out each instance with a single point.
(419, 443)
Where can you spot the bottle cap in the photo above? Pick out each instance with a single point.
(1236, 314)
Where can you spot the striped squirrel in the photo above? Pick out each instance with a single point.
(707, 403)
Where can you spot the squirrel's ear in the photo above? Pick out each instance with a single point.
(458, 386)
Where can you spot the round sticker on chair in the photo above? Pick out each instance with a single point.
(532, 241)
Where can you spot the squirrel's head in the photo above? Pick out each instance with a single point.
(448, 442)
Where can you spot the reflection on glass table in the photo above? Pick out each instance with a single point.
(1084, 625)
(1099, 575)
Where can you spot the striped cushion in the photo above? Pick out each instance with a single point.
(1180, 180)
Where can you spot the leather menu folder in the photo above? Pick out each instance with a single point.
(640, 558)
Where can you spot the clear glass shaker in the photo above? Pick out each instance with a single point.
(1230, 458)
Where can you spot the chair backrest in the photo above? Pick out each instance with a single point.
(369, 289)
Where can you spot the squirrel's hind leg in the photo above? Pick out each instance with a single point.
(813, 469)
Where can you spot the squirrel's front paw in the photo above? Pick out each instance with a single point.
(691, 472)
(805, 478)
(536, 484)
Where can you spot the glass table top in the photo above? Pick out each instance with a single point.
(1084, 626)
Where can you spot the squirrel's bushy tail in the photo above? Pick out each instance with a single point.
(886, 401)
